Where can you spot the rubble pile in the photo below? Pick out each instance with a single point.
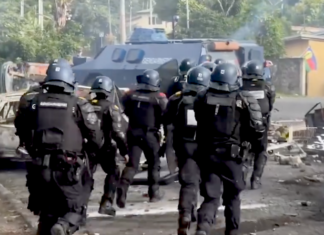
(288, 141)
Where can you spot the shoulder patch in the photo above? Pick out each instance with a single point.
(116, 107)
(178, 93)
(161, 94)
(94, 101)
(92, 118)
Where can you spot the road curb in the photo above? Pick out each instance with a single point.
(18, 206)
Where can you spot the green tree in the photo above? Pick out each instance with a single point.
(166, 9)
(204, 22)
(30, 43)
(308, 13)
(271, 36)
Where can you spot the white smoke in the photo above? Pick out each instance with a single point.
(253, 25)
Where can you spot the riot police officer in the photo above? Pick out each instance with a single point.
(179, 113)
(144, 108)
(23, 132)
(254, 82)
(208, 65)
(226, 118)
(111, 125)
(180, 81)
(219, 61)
(62, 126)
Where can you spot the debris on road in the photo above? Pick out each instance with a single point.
(10, 222)
(315, 178)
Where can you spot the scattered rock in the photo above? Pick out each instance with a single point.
(314, 178)
(294, 161)
(283, 160)
(305, 203)
(173, 199)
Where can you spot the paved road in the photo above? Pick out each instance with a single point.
(276, 203)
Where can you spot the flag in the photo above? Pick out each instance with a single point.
(310, 60)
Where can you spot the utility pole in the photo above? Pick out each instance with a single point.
(22, 10)
(41, 14)
(188, 14)
(122, 22)
(151, 12)
(109, 17)
(130, 16)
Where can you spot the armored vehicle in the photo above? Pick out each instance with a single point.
(150, 49)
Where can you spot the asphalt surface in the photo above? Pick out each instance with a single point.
(275, 209)
(277, 204)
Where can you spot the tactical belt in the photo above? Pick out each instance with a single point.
(235, 151)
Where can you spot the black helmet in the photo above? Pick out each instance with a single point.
(60, 74)
(253, 70)
(208, 65)
(199, 76)
(186, 65)
(225, 77)
(102, 84)
(219, 61)
(150, 80)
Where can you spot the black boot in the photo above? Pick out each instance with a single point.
(106, 207)
(255, 182)
(121, 197)
(58, 229)
(184, 224)
(63, 228)
(194, 214)
(156, 196)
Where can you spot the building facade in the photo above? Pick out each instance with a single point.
(311, 48)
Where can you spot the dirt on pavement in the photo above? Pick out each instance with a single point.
(11, 222)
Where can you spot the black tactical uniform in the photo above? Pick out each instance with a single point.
(63, 127)
(23, 132)
(181, 80)
(226, 118)
(180, 114)
(144, 108)
(219, 61)
(254, 82)
(111, 124)
(208, 65)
